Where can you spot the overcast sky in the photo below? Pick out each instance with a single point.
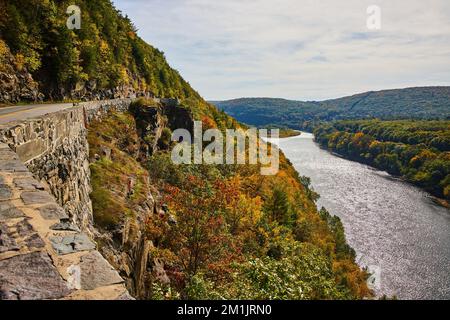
(297, 49)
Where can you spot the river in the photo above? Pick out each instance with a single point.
(395, 228)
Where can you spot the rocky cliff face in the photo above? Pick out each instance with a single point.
(123, 196)
(16, 83)
(90, 91)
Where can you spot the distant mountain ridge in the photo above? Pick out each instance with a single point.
(409, 103)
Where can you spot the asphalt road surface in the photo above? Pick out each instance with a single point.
(15, 113)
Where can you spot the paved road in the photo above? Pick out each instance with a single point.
(8, 114)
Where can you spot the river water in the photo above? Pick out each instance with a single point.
(395, 228)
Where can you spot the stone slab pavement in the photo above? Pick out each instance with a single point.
(42, 255)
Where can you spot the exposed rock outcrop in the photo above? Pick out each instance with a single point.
(178, 117)
(16, 83)
(149, 125)
(126, 142)
(153, 116)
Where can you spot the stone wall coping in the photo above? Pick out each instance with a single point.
(89, 106)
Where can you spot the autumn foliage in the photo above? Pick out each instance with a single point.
(419, 151)
(231, 220)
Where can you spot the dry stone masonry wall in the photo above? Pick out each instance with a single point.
(43, 255)
(46, 226)
(54, 148)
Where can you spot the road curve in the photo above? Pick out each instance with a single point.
(17, 113)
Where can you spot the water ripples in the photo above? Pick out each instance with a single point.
(391, 224)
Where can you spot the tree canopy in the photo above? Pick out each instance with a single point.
(419, 151)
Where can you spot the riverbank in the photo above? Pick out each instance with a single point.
(416, 151)
(439, 201)
(288, 133)
(442, 202)
(383, 217)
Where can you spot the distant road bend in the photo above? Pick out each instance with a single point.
(17, 113)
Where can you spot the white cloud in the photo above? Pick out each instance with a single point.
(298, 49)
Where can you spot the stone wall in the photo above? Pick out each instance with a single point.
(54, 148)
(42, 254)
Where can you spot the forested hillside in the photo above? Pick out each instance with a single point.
(104, 59)
(419, 151)
(226, 232)
(410, 103)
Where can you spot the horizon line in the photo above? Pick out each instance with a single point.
(323, 100)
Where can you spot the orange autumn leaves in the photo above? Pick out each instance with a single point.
(214, 220)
